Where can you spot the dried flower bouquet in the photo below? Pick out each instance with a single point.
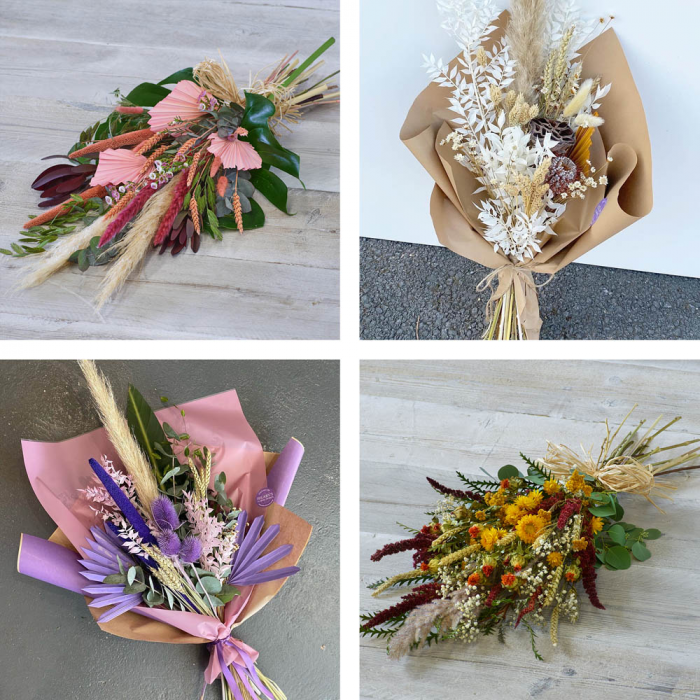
(167, 166)
(170, 540)
(512, 552)
(536, 138)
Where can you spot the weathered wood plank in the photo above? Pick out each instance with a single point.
(277, 282)
(431, 418)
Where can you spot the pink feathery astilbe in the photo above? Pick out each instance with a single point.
(235, 153)
(218, 542)
(184, 103)
(118, 165)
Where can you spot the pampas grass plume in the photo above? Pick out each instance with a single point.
(526, 36)
(120, 435)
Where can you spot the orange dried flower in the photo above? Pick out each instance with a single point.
(193, 168)
(570, 576)
(505, 484)
(424, 566)
(474, 579)
(517, 567)
(508, 580)
(238, 212)
(221, 185)
(474, 530)
(149, 143)
(487, 570)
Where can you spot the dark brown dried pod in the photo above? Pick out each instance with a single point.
(560, 131)
(194, 242)
(562, 173)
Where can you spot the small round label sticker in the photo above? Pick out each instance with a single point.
(265, 497)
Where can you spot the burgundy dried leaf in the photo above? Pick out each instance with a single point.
(177, 248)
(55, 171)
(47, 203)
(194, 243)
(190, 227)
(67, 186)
(182, 238)
(53, 157)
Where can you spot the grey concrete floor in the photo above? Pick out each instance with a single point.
(408, 289)
(51, 648)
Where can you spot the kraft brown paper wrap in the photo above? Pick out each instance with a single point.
(624, 136)
(131, 625)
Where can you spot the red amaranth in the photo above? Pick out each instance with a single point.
(127, 215)
(495, 590)
(421, 541)
(570, 507)
(418, 596)
(166, 223)
(446, 491)
(530, 606)
(587, 558)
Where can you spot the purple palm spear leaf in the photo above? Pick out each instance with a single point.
(103, 555)
(247, 564)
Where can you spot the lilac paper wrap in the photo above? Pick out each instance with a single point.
(49, 562)
(281, 476)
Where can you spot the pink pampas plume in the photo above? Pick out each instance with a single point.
(127, 215)
(123, 109)
(182, 102)
(235, 153)
(116, 166)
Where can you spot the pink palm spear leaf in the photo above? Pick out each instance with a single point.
(248, 564)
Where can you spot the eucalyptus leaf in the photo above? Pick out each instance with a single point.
(652, 534)
(618, 557)
(617, 534)
(508, 472)
(131, 575)
(114, 579)
(640, 551)
(210, 584)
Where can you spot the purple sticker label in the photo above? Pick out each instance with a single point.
(599, 210)
(265, 497)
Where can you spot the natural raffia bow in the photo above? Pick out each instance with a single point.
(512, 312)
(627, 468)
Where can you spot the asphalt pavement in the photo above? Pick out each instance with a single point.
(410, 291)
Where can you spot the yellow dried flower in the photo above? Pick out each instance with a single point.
(596, 524)
(513, 513)
(551, 486)
(480, 515)
(587, 490)
(489, 537)
(579, 544)
(544, 514)
(575, 482)
(528, 527)
(555, 559)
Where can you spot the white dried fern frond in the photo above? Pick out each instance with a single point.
(564, 14)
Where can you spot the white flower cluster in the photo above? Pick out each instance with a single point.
(468, 628)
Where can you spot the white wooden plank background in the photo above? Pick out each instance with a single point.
(59, 62)
(423, 419)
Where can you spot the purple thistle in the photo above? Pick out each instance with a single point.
(247, 564)
(123, 503)
(164, 513)
(190, 550)
(102, 556)
(169, 543)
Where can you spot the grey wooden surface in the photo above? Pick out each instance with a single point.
(59, 62)
(423, 419)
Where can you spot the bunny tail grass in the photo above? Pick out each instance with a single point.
(119, 434)
(137, 241)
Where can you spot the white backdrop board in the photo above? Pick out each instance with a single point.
(395, 190)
